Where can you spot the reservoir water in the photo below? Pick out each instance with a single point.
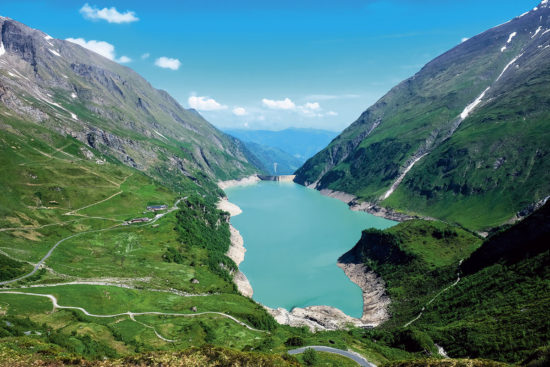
(294, 237)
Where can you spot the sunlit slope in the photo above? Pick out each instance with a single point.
(468, 135)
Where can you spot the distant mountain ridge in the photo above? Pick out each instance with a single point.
(465, 139)
(298, 142)
(274, 160)
(109, 107)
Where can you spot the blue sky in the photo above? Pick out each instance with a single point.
(270, 64)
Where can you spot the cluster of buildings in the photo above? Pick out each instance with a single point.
(151, 208)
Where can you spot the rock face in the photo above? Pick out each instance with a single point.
(316, 318)
(470, 126)
(375, 299)
(109, 107)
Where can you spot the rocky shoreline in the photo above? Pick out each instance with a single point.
(237, 250)
(375, 300)
(368, 207)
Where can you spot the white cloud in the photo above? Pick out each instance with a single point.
(205, 104)
(145, 56)
(312, 106)
(103, 48)
(239, 111)
(124, 59)
(332, 113)
(111, 15)
(168, 63)
(285, 104)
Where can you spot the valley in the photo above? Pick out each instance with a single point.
(133, 232)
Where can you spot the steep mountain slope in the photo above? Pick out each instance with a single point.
(301, 143)
(75, 92)
(494, 308)
(465, 139)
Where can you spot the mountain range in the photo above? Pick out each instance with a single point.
(283, 152)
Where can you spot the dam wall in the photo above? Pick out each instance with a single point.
(282, 178)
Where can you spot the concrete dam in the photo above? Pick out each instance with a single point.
(282, 178)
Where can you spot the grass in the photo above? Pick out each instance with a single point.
(328, 360)
(416, 259)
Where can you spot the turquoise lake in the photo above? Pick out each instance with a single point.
(294, 236)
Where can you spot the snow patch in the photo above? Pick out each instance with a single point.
(2, 49)
(54, 52)
(12, 74)
(510, 38)
(473, 105)
(401, 177)
(48, 38)
(524, 14)
(74, 117)
(546, 31)
(536, 32)
(159, 134)
(508, 65)
(73, 95)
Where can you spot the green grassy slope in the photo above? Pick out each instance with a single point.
(497, 308)
(478, 175)
(416, 259)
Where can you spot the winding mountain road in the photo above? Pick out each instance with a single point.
(131, 314)
(351, 355)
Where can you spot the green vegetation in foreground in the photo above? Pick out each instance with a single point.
(26, 351)
(314, 358)
(446, 363)
(498, 309)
